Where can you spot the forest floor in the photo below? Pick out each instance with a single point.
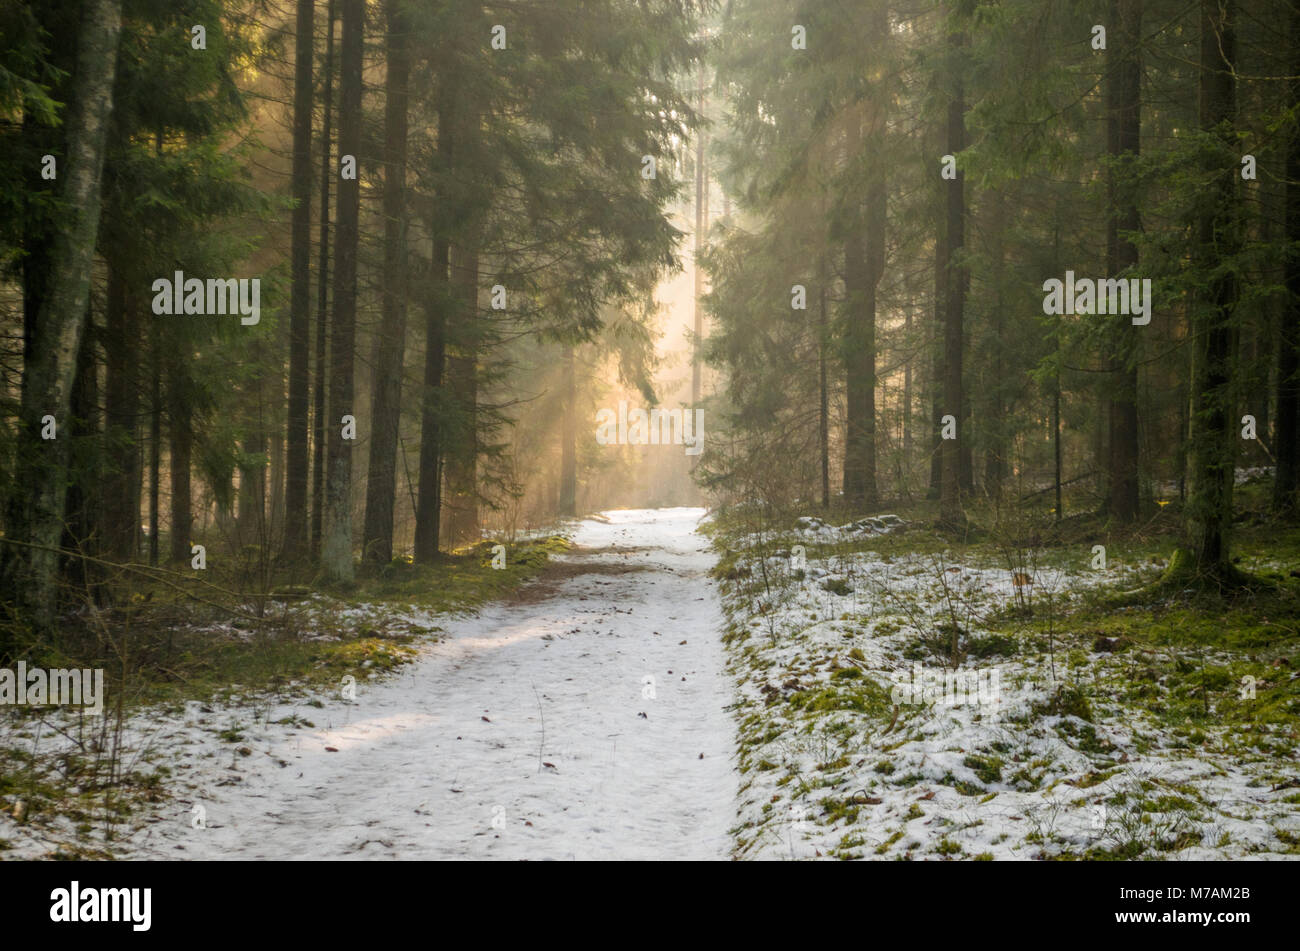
(1050, 720)
(647, 695)
(579, 717)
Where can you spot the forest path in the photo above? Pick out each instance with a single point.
(531, 732)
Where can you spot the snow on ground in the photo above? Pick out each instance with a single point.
(587, 718)
(583, 719)
(839, 759)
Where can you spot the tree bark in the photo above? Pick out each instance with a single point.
(49, 362)
(390, 345)
(937, 375)
(1287, 420)
(860, 372)
(569, 438)
(336, 547)
(462, 373)
(1123, 129)
(121, 405)
(295, 495)
(864, 265)
(322, 294)
(905, 475)
(428, 508)
(252, 519)
(701, 225)
(83, 505)
(180, 439)
(823, 388)
(1213, 440)
(155, 443)
(958, 280)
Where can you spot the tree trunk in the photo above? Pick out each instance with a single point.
(937, 374)
(995, 434)
(155, 443)
(823, 388)
(701, 223)
(336, 546)
(1123, 129)
(428, 508)
(121, 404)
(180, 435)
(1213, 438)
(860, 276)
(49, 363)
(569, 438)
(82, 506)
(950, 510)
(322, 296)
(252, 490)
(295, 496)
(1287, 441)
(905, 473)
(462, 372)
(390, 345)
(864, 260)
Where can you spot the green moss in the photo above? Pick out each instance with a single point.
(863, 696)
(1068, 701)
(987, 768)
(883, 847)
(836, 809)
(962, 786)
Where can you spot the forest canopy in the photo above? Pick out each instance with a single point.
(326, 286)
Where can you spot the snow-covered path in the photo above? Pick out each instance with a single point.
(583, 719)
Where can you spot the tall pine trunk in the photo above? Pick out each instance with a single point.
(569, 437)
(428, 506)
(860, 371)
(295, 496)
(84, 501)
(864, 264)
(155, 442)
(36, 502)
(327, 172)
(937, 376)
(1213, 441)
(390, 345)
(336, 545)
(995, 442)
(180, 444)
(958, 279)
(1123, 132)
(701, 224)
(437, 301)
(121, 405)
(823, 387)
(462, 377)
(1287, 440)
